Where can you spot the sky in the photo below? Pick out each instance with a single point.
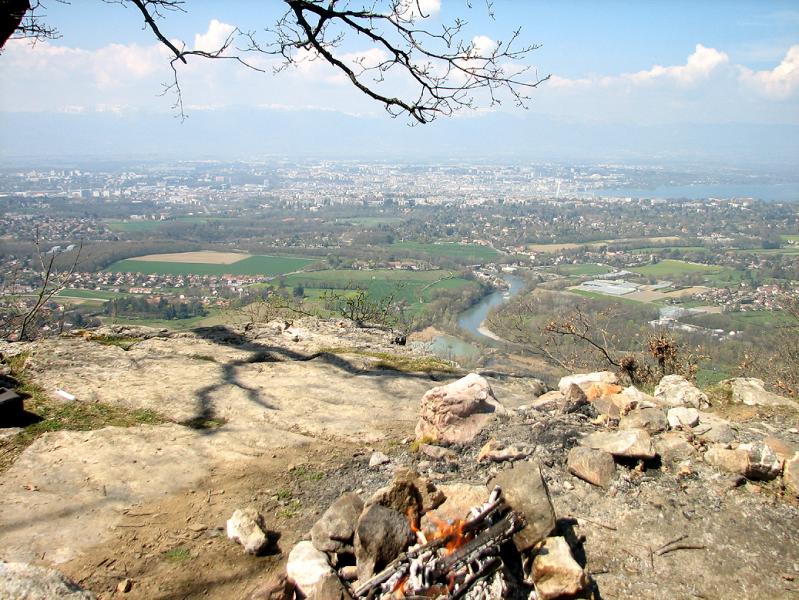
(627, 79)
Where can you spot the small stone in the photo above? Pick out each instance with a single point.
(348, 573)
(377, 459)
(335, 529)
(124, 586)
(732, 461)
(683, 417)
(437, 452)
(649, 419)
(632, 443)
(714, 429)
(498, 452)
(594, 466)
(526, 492)
(763, 463)
(246, 527)
(574, 398)
(555, 572)
(431, 497)
(460, 498)
(198, 527)
(380, 536)
(549, 401)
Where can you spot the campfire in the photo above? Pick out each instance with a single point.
(463, 559)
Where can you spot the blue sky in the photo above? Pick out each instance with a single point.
(612, 63)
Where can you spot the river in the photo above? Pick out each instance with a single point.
(470, 321)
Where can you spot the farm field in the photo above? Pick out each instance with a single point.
(475, 252)
(644, 243)
(269, 266)
(102, 295)
(410, 286)
(582, 270)
(673, 268)
(207, 257)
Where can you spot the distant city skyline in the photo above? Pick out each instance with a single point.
(627, 81)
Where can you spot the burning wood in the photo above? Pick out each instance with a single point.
(461, 560)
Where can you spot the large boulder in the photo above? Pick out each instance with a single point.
(526, 492)
(754, 461)
(24, 581)
(586, 380)
(457, 412)
(676, 390)
(751, 391)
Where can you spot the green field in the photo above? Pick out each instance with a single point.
(410, 286)
(673, 268)
(790, 238)
(149, 225)
(582, 270)
(369, 221)
(269, 266)
(88, 294)
(474, 252)
(656, 249)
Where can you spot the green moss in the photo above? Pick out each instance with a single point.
(124, 342)
(398, 362)
(178, 554)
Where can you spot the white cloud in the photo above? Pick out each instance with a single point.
(700, 65)
(780, 82)
(483, 45)
(415, 9)
(213, 39)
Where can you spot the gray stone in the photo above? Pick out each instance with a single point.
(437, 452)
(460, 499)
(751, 391)
(496, 451)
(754, 461)
(457, 412)
(714, 429)
(676, 390)
(246, 527)
(673, 447)
(575, 398)
(681, 416)
(649, 419)
(632, 443)
(549, 401)
(377, 459)
(594, 466)
(555, 572)
(21, 581)
(335, 529)
(431, 497)
(380, 536)
(526, 492)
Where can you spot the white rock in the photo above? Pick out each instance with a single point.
(751, 391)
(676, 390)
(683, 417)
(246, 527)
(377, 459)
(308, 567)
(24, 581)
(586, 380)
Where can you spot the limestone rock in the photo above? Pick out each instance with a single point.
(380, 536)
(574, 398)
(498, 452)
(672, 447)
(457, 412)
(308, 568)
(751, 391)
(649, 419)
(526, 492)
(400, 496)
(24, 581)
(790, 475)
(763, 463)
(641, 399)
(632, 443)
(555, 572)
(754, 461)
(585, 380)
(594, 466)
(431, 497)
(377, 459)
(246, 527)
(437, 452)
(681, 416)
(334, 531)
(782, 448)
(676, 390)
